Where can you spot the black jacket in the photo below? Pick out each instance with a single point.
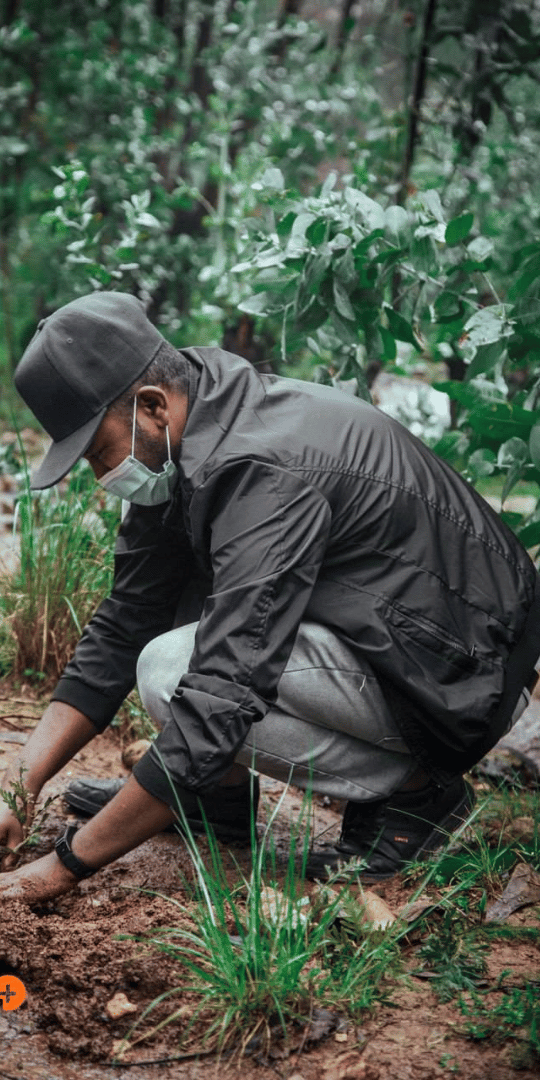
(298, 501)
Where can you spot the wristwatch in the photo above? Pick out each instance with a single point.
(67, 856)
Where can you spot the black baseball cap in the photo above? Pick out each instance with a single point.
(80, 360)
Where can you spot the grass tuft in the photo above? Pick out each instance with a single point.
(65, 567)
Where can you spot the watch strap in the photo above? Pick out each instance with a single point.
(67, 856)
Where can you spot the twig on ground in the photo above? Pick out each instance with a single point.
(8, 717)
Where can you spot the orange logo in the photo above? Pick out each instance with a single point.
(12, 992)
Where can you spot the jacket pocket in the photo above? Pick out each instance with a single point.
(430, 635)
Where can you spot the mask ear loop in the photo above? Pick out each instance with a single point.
(168, 444)
(133, 427)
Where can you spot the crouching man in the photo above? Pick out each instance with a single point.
(302, 587)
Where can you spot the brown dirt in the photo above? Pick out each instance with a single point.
(68, 955)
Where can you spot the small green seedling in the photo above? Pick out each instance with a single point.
(21, 802)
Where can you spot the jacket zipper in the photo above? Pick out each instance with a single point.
(438, 632)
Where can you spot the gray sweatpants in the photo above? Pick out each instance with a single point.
(330, 728)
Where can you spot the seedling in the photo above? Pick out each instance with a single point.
(21, 802)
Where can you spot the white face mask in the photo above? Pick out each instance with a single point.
(135, 482)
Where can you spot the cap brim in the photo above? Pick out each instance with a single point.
(62, 456)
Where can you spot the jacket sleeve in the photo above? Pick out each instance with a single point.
(151, 565)
(267, 534)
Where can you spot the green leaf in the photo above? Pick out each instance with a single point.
(534, 445)
(488, 325)
(482, 463)
(458, 229)
(286, 223)
(526, 279)
(396, 218)
(400, 328)
(298, 242)
(388, 342)
(361, 249)
(485, 359)
(342, 302)
(148, 220)
(271, 180)
(329, 184)
(315, 268)
(480, 249)
(530, 534)
(430, 201)
(369, 210)
(448, 307)
(435, 229)
(316, 232)
(512, 452)
(451, 445)
(501, 421)
(471, 394)
(256, 305)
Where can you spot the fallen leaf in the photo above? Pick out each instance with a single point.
(321, 1024)
(522, 889)
(410, 911)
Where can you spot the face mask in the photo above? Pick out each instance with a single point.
(136, 483)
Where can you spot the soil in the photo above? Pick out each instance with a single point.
(73, 954)
(72, 962)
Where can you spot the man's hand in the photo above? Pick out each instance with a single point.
(125, 822)
(11, 834)
(38, 881)
(61, 732)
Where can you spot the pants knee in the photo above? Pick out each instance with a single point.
(160, 667)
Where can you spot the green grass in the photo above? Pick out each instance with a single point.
(257, 956)
(66, 561)
(253, 971)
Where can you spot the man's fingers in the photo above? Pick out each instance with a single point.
(10, 861)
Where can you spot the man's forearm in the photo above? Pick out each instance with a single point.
(125, 822)
(131, 817)
(59, 735)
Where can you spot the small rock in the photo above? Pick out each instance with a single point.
(134, 752)
(119, 1048)
(119, 1006)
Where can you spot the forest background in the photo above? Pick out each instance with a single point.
(330, 189)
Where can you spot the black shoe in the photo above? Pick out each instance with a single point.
(379, 838)
(228, 810)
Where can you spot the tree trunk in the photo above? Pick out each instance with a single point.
(289, 7)
(419, 90)
(346, 23)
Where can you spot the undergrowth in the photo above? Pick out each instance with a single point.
(65, 567)
(262, 954)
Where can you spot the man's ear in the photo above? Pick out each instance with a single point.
(153, 403)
